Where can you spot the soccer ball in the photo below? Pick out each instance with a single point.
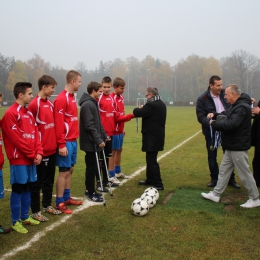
(152, 191)
(139, 207)
(151, 199)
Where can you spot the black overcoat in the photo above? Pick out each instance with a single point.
(153, 125)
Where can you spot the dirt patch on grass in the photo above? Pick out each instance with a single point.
(230, 200)
(168, 196)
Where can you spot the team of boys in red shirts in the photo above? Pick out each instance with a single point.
(39, 135)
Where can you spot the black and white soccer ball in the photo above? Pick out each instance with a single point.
(152, 191)
(151, 199)
(139, 207)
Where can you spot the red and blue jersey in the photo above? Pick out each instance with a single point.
(66, 118)
(42, 110)
(20, 135)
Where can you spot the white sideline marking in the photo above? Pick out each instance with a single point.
(86, 204)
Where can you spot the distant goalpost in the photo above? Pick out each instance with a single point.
(141, 101)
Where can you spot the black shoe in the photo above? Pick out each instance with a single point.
(212, 184)
(159, 188)
(144, 183)
(234, 184)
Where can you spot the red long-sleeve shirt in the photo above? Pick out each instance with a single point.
(110, 117)
(42, 110)
(20, 135)
(1, 151)
(66, 118)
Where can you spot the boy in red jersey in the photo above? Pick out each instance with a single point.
(109, 118)
(118, 134)
(2, 193)
(24, 151)
(42, 110)
(67, 132)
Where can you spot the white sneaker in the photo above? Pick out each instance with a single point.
(210, 196)
(121, 175)
(114, 180)
(251, 204)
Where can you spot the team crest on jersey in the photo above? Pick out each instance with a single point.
(28, 136)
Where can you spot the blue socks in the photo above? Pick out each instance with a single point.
(59, 200)
(15, 204)
(66, 194)
(20, 205)
(112, 174)
(117, 169)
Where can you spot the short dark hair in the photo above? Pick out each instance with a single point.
(93, 86)
(1, 94)
(106, 80)
(118, 82)
(213, 78)
(20, 87)
(46, 80)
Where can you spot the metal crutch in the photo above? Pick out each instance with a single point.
(101, 183)
(109, 183)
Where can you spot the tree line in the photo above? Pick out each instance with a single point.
(181, 83)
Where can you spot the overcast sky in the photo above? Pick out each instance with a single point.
(64, 32)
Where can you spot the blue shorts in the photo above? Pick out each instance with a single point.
(22, 174)
(117, 141)
(69, 160)
(2, 191)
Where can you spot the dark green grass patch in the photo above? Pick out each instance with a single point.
(190, 199)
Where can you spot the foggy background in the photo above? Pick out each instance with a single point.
(174, 45)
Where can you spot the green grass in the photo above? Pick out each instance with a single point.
(185, 227)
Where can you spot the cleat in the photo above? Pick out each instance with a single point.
(18, 227)
(114, 180)
(52, 210)
(4, 230)
(30, 221)
(62, 207)
(38, 216)
(95, 197)
(121, 175)
(73, 202)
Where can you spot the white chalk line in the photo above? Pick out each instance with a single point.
(86, 204)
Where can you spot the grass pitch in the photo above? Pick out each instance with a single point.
(186, 226)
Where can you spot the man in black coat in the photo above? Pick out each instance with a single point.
(153, 115)
(236, 140)
(255, 141)
(212, 100)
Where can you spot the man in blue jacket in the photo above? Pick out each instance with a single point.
(212, 101)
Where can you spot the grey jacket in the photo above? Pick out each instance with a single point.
(92, 133)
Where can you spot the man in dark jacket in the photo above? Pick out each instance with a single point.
(153, 115)
(92, 136)
(212, 101)
(236, 140)
(255, 141)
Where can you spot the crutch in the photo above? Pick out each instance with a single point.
(109, 183)
(101, 183)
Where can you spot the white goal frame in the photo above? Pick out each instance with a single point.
(141, 101)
